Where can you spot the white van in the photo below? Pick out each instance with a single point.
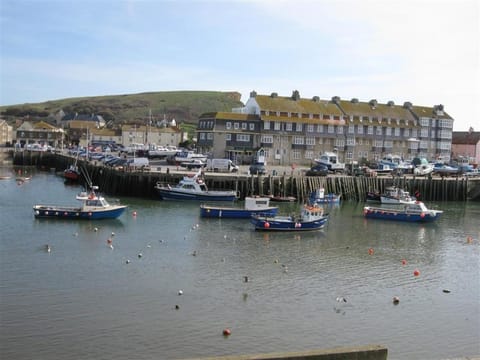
(221, 165)
(139, 163)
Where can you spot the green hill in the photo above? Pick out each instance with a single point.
(183, 106)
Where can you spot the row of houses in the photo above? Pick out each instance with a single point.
(292, 129)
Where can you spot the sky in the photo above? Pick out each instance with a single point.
(422, 51)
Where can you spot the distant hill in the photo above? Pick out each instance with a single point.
(183, 106)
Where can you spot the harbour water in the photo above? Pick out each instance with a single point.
(84, 300)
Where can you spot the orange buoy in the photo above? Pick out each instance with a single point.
(109, 241)
(404, 262)
(134, 213)
(370, 251)
(226, 332)
(266, 225)
(416, 272)
(469, 239)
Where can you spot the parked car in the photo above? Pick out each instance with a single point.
(257, 169)
(317, 170)
(193, 164)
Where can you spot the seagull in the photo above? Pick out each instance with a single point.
(341, 299)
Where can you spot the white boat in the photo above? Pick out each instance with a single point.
(394, 195)
(330, 160)
(193, 187)
(423, 168)
(254, 205)
(187, 156)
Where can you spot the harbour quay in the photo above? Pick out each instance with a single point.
(288, 182)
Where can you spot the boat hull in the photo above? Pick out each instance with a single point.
(42, 211)
(172, 194)
(237, 213)
(273, 224)
(387, 214)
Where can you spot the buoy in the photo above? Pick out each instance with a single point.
(109, 241)
(404, 262)
(227, 332)
(341, 299)
(134, 213)
(113, 234)
(95, 229)
(177, 307)
(180, 292)
(416, 272)
(111, 246)
(370, 251)
(266, 225)
(396, 300)
(48, 248)
(469, 239)
(245, 278)
(127, 262)
(446, 291)
(140, 255)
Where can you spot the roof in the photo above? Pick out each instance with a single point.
(466, 137)
(425, 111)
(44, 126)
(80, 124)
(229, 116)
(274, 103)
(374, 109)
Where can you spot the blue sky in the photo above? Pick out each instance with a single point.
(422, 51)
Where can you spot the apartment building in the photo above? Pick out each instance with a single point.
(298, 130)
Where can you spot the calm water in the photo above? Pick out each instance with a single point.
(83, 301)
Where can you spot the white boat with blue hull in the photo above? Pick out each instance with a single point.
(311, 218)
(193, 188)
(93, 207)
(254, 205)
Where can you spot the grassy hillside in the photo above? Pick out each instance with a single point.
(183, 106)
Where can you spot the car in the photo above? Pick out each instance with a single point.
(194, 164)
(257, 169)
(317, 170)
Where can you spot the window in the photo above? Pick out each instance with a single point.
(244, 126)
(266, 125)
(228, 137)
(288, 126)
(236, 126)
(228, 125)
(424, 132)
(406, 132)
(350, 141)
(310, 128)
(339, 142)
(424, 122)
(310, 140)
(388, 131)
(266, 139)
(351, 129)
(277, 125)
(296, 154)
(397, 131)
(379, 130)
(320, 128)
(202, 136)
(331, 129)
(370, 130)
(360, 129)
(308, 154)
(243, 137)
(339, 129)
(251, 126)
(210, 136)
(298, 140)
(299, 127)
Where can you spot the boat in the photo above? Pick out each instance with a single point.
(193, 187)
(93, 207)
(5, 177)
(445, 170)
(415, 212)
(72, 173)
(395, 195)
(373, 196)
(319, 197)
(423, 168)
(279, 198)
(311, 218)
(331, 161)
(254, 205)
(187, 156)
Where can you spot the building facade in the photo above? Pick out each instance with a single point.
(466, 146)
(296, 130)
(6, 133)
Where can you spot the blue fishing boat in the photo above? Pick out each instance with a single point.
(93, 207)
(319, 197)
(416, 212)
(192, 187)
(311, 218)
(254, 205)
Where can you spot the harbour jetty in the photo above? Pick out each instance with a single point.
(141, 183)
